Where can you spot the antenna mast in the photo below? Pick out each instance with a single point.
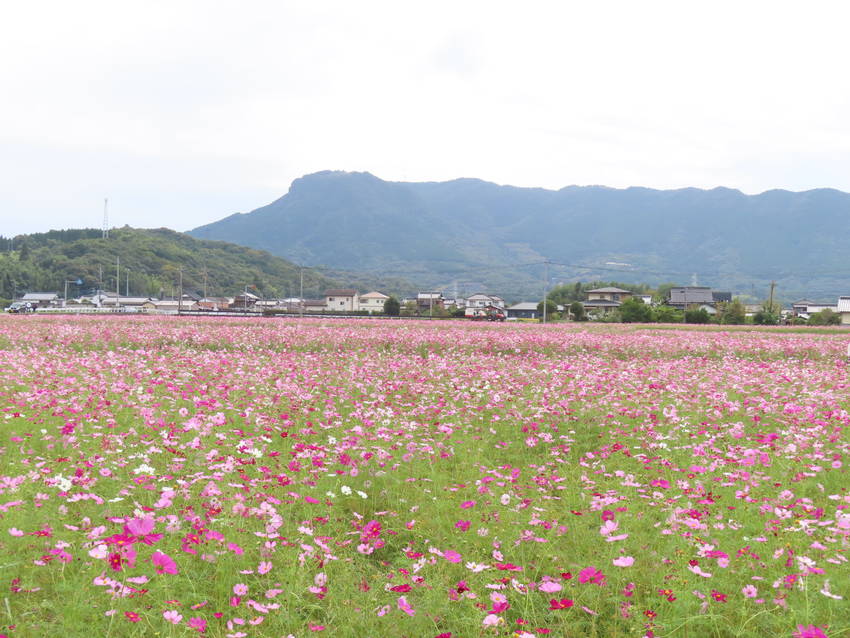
(106, 218)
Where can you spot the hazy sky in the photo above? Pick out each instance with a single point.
(184, 112)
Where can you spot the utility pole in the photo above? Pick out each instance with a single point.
(546, 292)
(301, 297)
(117, 275)
(770, 303)
(180, 298)
(205, 282)
(127, 286)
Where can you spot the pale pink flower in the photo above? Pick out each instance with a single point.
(172, 616)
(240, 589)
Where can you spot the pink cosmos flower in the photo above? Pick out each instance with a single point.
(549, 587)
(240, 589)
(198, 624)
(591, 575)
(172, 616)
(750, 591)
(405, 606)
(809, 631)
(164, 563)
(452, 556)
(624, 561)
(140, 529)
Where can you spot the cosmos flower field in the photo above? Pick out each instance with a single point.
(270, 477)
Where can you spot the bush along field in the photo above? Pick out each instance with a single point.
(250, 477)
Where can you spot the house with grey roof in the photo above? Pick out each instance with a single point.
(682, 297)
(40, 299)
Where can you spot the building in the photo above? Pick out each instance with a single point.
(600, 306)
(480, 300)
(244, 301)
(315, 305)
(341, 300)
(426, 301)
(522, 310)
(111, 301)
(373, 301)
(608, 293)
(843, 309)
(682, 297)
(40, 299)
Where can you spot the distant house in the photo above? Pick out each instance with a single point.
(480, 300)
(214, 304)
(341, 300)
(718, 297)
(244, 301)
(425, 301)
(373, 301)
(600, 306)
(522, 310)
(169, 306)
(40, 299)
(843, 309)
(608, 293)
(124, 302)
(801, 307)
(314, 305)
(683, 296)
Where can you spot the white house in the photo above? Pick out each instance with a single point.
(480, 300)
(844, 310)
(341, 300)
(373, 301)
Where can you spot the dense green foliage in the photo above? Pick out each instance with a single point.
(696, 315)
(392, 307)
(150, 265)
(633, 310)
(825, 317)
(495, 236)
(732, 312)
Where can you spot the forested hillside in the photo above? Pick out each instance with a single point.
(149, 264)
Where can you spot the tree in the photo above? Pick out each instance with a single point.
(731, 312)
(633, 310)
(663, 291)
(551, 307)
(825, 317)
(696, 315)
(410, 309)
(666, 314)
(765, 318)
(392, 307)
(577, 310)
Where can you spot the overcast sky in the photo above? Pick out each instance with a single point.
(184, 112)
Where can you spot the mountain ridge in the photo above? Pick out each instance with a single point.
(438, 233)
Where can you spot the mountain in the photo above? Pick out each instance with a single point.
(150, 262)
(476, 234)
